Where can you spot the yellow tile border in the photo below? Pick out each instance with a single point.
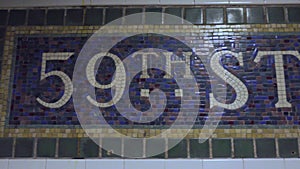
(67, 132)
(139, 133)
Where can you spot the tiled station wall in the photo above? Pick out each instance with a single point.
(257, 129)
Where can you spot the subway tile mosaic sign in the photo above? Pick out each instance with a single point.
(261, 85)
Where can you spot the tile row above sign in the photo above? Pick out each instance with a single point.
(195, 15)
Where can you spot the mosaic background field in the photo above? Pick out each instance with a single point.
(260, 80)
(260, 37)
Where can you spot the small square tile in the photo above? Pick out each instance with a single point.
(55, 16)
(66, 163)
(134, 19)
(144, 164)
(88, 148)
(221, 148)
(17, 17)
(179, 150)
(153, 18)
(67, 147)
(276, 15)
(153, 146)
(173, 11)
(112, 147)
(112, 14)
(46, 147)
(180, 164)
(105, 164)
(24, 147)
(263, 163)
(235, 15)
(223, 163)
(288, 148)
(94, 16)
(130, 11)
(265, 148)
(255, 15)
(176, 12)
(199, 150)
(36, 17)
(74, 17)
(214, 15)
(3, 17)
(293, 14)
(243, 148)
(193, 15)
(6, 147)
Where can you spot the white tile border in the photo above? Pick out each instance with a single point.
(270, 163)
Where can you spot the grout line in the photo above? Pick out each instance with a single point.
(56, 147)
(210, 148)
(188, 147)
(122, 147)
(277, 148)
(35, 147)
(83, 17)
(254, 148)
(232, 147)
(26, 17)
(286, 16)
(166, 148)
(65, 17)
(78, 147)
(298, 146)
(103, 16)
(144, 147)
(100, 148)
(14, 147)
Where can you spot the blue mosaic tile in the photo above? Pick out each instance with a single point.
(259, 78)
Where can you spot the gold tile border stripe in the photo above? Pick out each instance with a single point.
(78, 133)
(139, 133)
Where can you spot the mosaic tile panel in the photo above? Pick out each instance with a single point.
(260, 108)
(259, 77)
